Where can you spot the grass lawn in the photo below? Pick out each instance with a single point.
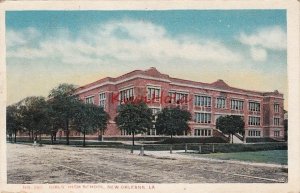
(272, 156)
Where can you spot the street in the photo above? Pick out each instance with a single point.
(29, 164)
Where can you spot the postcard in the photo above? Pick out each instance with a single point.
(149, 96)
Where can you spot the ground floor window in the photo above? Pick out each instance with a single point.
(276, 133)
(124, 132)
(151, 131)
(203, 132)
(254, 133)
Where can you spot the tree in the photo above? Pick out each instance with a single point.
(63, 102)
(101, 119)
(88, 118)
(173, 121)
(13, 122)
(230, 124)
(34, 115)
(55, 121)
(134, 118)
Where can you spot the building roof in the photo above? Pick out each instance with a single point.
(154, 73)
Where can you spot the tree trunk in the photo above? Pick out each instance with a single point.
(84, 138)
(67, 131)
(29, 136)
(133, 138)
(15, 136)
(32, 138)
(171, 137)
(102, 134)
(231, 138)
(54, 135)
(40, 137)
(52, 138)
(132, 142)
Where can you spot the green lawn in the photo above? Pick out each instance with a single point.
(272, 156)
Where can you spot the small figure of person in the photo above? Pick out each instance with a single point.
(34, 142)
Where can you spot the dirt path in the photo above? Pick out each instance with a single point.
(62, 164)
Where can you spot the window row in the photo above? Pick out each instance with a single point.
(254, 106)
(178, 98)
(236, 104)
(276, 108)
(276, 133)
(202, 117)
(276, 121)
(254, 120)
(126, 95)
(254, 133)
(153, 94)
(182, 98)
(203, 101)
(202, 132)
(89, 100)
(155, 111)
(221, 103)
(102, 100)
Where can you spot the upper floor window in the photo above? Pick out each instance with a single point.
(276, 121)
(126, 95)
(236, 104)
(276, 108)
(203, 117)
(254, 106)
(178, 97)
(221, 103)
(202, 101)
(102, 100)
(153, 93)
(254, 120)
(89, 100)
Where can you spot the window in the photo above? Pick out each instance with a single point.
(202, 101)
(124, 132)
(203, 132)
(126, 95)
(221, 103)
(151, 131)
(153, 93)
(102, 99)
(178, 98)
(254, 133)
(154, 112)
(236, 104)
(254, 120)
(276, 108)
(202, 117)
(254, 106)
(276, 133)
(89, 100)
(276, 121)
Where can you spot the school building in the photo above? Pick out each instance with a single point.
(263, 112)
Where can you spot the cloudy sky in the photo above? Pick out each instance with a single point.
(245, 48)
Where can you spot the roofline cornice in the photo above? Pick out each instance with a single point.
(171, 83)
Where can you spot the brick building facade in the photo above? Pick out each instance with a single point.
(261, 111)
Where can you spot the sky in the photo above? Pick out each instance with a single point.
(245, 48)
